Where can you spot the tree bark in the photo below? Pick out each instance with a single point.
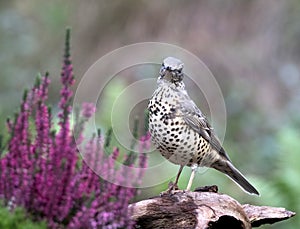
(202, 210)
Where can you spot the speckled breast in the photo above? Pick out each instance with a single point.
(176, 141)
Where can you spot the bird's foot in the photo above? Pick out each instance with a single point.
(171, 187)
(210, 188)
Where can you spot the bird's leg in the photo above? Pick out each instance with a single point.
(194, 170)
(178, 175)
(173, 186)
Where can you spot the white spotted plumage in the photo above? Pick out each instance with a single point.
(181, 132)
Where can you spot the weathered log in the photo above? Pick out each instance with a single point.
(202, 210)
(259, 215)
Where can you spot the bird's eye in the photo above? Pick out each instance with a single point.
(162, 71)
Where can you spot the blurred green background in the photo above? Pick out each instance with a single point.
(251, 47)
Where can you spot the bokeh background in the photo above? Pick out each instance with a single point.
(251, 47)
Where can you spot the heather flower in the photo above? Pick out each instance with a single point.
(43, 172)
(88, 109)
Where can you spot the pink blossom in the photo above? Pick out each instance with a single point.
(43, 172)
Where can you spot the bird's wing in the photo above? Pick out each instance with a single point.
(199, 123)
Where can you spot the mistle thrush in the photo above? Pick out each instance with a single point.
(181, 132)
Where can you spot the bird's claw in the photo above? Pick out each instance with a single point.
(171, 187)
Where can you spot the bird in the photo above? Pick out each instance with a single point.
(182, 133)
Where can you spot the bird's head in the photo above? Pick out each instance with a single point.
(171, 71)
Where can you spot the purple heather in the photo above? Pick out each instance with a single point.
(42, 169)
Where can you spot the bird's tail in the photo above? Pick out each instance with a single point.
(228, 168)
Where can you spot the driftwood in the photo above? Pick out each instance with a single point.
(202, 210)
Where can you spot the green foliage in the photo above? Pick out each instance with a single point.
(17, 219)
(282, 189)
(286, 177)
